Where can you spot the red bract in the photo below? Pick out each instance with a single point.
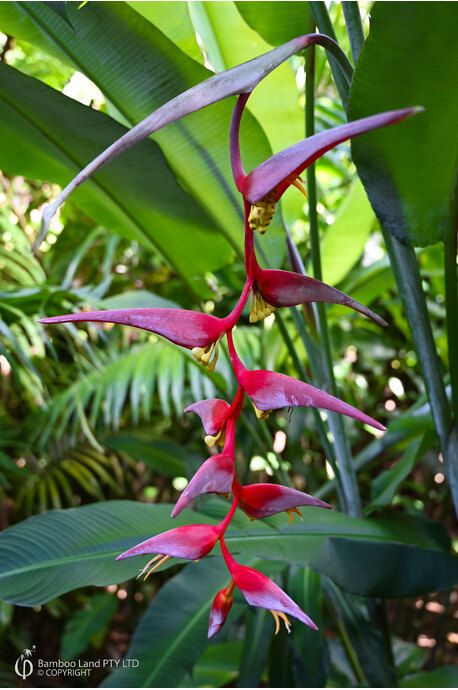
(260, 591)
(213, 414)
(214, 477)
(271, 391)
(263, 500)
(273, 288)
(278, 172)
(221, 606)
(194, 330)
(186, 328)
(191, 542)
(288, 289)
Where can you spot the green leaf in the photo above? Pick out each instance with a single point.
(61, 9)
(62, 550)
(409, 188)
(86, 623)
(172, 18)
(384, 487)
(276, 22)
(217, 667)
(48, 136)
(442, 677)
(344, 241)
(162, 456)
(172, 633)
(139, 69)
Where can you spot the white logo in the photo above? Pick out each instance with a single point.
(23, 665)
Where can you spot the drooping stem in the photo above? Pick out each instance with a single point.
(406, 272)
(347, 472)
(231, 319)
(354, 26)
(238, 172)
(223, 525)
(341, 70)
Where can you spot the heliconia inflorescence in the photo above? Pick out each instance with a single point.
(268, 391)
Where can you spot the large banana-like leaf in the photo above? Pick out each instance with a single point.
(409, 58)
(139, 69)
(62, 550)
(48, 136)
(172, 633)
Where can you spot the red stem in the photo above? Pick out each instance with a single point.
(237, 365)
(231, 319)
(234, 141)
(223, 525)
(230, 437)
(226, 555)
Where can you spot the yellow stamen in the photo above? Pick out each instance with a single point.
(153, 560)
(259, 308)
(299, 186)
(285, 619)
(277, 621)
(290, 512)
(218, 439)
(277, 615)
(163, 560)
(262, 415)
(204, 355)
(262, 212)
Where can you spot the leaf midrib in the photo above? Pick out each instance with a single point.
(246, 538)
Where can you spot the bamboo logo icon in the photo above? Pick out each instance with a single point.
(23, 666)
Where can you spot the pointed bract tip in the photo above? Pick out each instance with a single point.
(213, 630)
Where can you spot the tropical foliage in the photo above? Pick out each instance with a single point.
(95, 446)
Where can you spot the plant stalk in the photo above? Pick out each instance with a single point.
(340, 70)
(408, 279)
(347, 472)
(354, 26)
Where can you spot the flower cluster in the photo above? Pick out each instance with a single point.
(267, 390)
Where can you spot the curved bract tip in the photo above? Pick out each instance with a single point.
(279, 171)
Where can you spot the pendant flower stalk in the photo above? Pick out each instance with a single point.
(202, 333)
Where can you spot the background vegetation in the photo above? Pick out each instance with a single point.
(91, 415)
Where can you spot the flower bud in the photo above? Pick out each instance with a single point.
(221, 606)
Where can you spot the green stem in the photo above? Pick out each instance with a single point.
(341, 70)
(327, 447)
(451, 295)
(406, 272)
(351, 654)
(347, 473)
(354, 26)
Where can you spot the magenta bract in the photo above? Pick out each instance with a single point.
(190, 541)
(215, 476)
(289, 289)
(260, 591)
(212, 412)
(263, 500)
(279, 171)
(221, 606)
(272, 391)
(180, 326)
